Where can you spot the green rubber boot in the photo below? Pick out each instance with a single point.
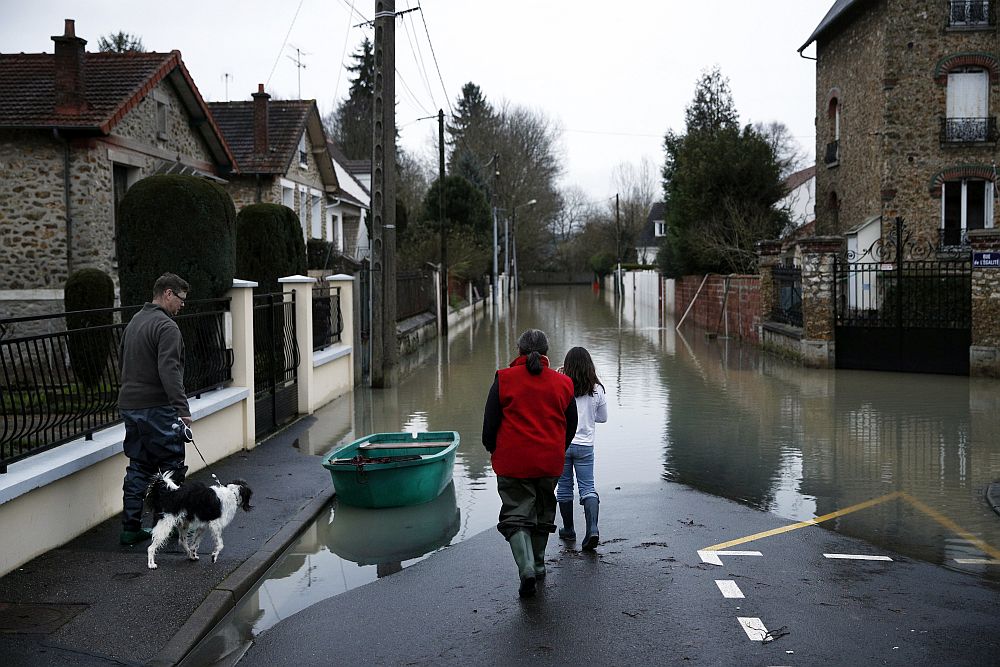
(520, 546)
(538, 542)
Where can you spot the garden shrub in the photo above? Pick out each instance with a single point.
(269, 245)
(182, 224)
(90, 336)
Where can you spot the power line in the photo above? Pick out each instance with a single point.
(343, 54)
(447, 98)
(283, 42)
(420, 57)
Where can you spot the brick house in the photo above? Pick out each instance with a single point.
(282, 158)
(906, 93)
(76, 130)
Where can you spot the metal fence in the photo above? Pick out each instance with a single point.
(414, 294)
(63, 384)
(328, 320)
(787, 295)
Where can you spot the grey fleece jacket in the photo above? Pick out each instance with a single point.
(152, 363)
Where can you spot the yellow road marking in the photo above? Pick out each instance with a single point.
(802, 524)
(986, 548)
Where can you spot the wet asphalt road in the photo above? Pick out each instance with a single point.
(646, 597)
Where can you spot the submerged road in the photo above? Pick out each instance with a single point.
(663, 588)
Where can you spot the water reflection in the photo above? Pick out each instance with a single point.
(707, 412)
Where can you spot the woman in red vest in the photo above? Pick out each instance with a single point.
(529, 422)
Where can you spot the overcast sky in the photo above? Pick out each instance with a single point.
(614, 75)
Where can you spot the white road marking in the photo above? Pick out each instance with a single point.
(856, 557)
(729, 588)
(712, 557)
(977, 561)
(754, 628)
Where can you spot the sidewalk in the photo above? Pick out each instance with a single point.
(93, 602)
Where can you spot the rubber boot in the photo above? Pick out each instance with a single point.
(538, 542)
(592, 537)
(567, 532)
(520, 546)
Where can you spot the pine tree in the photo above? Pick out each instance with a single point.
(351, 124)
(471, 136)
(120, 42)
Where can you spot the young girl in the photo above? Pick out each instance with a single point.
(591, 408)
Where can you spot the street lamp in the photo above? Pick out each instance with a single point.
(513, 219)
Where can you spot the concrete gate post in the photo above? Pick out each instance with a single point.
(818, 317)
(984, 353)
(768, 257)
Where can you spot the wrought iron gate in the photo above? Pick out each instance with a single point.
(902, 306)
(276, 360)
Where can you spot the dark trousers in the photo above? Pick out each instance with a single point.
(152, 446)
(527, 504)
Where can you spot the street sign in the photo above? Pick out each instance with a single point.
(986, 260)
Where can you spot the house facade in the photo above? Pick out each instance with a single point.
(652, 235)
(77, 129)
(353, 204)
(281, 155)
(906, 99)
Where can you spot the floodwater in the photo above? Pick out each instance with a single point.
(707, 412)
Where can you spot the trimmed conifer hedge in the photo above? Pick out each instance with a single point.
(269, 245)
(182, 224)
(90, 337)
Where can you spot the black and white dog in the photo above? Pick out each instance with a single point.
(193, 508)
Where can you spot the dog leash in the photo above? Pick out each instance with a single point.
(187, 434)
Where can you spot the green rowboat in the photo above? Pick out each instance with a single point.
(393, 469)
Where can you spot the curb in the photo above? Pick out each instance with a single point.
(224, 596)
(993, 496)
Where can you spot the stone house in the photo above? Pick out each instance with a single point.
(906, 92)
(77, 129)
(281, 156)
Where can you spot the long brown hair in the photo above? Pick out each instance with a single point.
(579, 367)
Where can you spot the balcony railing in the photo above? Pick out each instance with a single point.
(968, 130)
(971, 14)
(832, 153)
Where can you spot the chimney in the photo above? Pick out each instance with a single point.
(260, 99)
(69, 81)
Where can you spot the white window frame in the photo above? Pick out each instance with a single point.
(303, 152)
(659, 228)
(988, 194)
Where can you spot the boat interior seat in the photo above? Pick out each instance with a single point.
(402, 445)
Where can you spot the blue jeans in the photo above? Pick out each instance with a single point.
(581, 459)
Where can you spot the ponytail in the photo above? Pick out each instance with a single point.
(534, 363)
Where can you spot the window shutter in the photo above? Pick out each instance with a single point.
(967, 94)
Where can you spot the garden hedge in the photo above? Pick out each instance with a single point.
(269, 245)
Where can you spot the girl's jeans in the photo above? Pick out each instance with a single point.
(581, 459)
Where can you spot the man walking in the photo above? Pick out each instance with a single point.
(152, 399)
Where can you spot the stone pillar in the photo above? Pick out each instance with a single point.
(768, 257)
(302, 287)
(984, 353)
(818, 317)
(241, 312)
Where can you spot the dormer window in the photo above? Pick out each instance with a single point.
(659, 228)
(303, 155)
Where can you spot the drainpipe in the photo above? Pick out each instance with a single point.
(66, 199)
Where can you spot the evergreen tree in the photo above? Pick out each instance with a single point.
(471, 137)
(120, 42)
(720, 185)
(351, 124)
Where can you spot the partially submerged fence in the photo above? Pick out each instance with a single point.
(414, 294)
(63, 384)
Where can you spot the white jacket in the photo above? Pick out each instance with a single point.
(590, 410)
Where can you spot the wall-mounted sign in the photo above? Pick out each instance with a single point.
(986, 260)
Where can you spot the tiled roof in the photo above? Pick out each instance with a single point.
(286, 120)
(114, 84)
(836, 12)
(793, 181)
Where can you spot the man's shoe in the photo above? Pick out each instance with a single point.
(132, 537)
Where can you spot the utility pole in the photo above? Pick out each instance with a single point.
(618, 245)
(385, 348)
(496, 187)
(444, 229)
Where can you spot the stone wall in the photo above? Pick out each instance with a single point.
(850, 68)
(984, 354)
(33, 253)
(888, 69)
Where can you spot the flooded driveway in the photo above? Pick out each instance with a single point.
(902, 461)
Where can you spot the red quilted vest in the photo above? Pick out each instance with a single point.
(531, 441)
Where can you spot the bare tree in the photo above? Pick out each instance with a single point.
(637, 186)
(788, 152)
(738, 240)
